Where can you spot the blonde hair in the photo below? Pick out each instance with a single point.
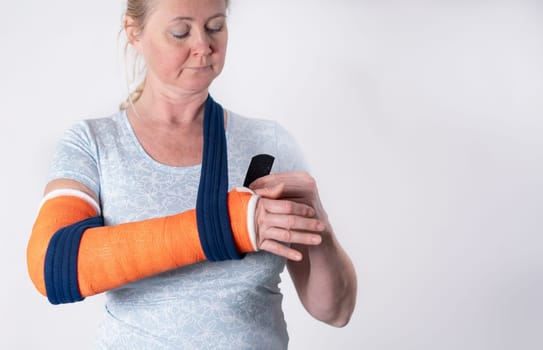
(139, 11)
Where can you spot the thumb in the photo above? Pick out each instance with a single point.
(272, 192)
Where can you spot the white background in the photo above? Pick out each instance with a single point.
(422, 121)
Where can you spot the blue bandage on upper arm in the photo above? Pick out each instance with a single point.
(60, 268)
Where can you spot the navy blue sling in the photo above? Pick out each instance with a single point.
(211, 204)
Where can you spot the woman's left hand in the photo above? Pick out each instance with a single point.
(325, 278)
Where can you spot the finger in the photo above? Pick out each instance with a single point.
(269, 180)
(280, 250)
(291, 236)
(296, 184)
(275, 178)
(287, 207)
(292, 222)
(264, 181)
(273, 192)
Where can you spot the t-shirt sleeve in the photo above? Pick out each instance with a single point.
(75, 158)
(289, 154)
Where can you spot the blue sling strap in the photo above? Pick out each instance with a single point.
(211, 204)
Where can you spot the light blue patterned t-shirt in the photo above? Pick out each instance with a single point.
(209, 305)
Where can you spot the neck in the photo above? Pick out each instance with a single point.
(164, 108)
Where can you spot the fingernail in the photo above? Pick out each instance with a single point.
(296, 256)
(316, 239)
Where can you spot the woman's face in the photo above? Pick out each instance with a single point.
(183, 43)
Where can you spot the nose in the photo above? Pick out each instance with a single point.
(202, 45)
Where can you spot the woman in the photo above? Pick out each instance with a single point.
(118, 214)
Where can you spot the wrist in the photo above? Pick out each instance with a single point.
(242, 207)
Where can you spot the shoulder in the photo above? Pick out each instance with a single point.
(257, 127)
(78, 152)
(92, 128)
(267, 136)
(238, 122)
(93, 134)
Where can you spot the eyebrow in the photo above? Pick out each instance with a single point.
(186, 18)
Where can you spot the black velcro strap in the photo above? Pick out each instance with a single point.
(260, 166)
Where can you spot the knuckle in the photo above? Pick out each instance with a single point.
(286, 236)
(265, 245)
(273, 248)
(311, 183)
(291, 221)
(307, 176)
(260, 221)
(260, 206)
(287, 206)
(261, 236)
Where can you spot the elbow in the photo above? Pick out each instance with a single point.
(338, 319)
(51, 274)
(35, 256)
(38, 284)
(346, 310)
(336, 315)
(339, 309)
(341, 320)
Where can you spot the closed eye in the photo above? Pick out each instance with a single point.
(180, 35)
(214, 29)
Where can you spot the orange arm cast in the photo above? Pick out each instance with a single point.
(112, 256)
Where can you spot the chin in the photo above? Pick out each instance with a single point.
(196, 84)
(196, 87)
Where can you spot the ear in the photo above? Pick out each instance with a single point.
(133, 32)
